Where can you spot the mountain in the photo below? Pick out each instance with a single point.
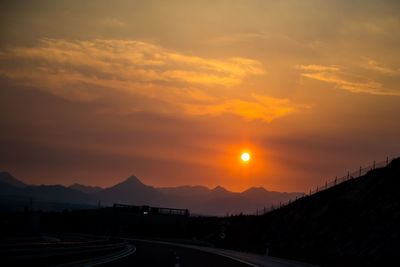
(7, 189)
(198, 199)
(85, 188)
(220, 192)
(43, 197)
(255, 192)
(131, 191)
(56, 193)
(185, 190)
(355, 223)
(260, 194)
(7, 178)
(220, 201)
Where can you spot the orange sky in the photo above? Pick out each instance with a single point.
(173, 92)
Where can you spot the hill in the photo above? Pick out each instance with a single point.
(86, 188)
(7, 178)
(220, 201)
(43, 197)
(356, 223)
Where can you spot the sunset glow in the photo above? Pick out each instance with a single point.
(245, 156)
(173, 92)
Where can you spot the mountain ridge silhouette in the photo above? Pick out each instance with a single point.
(198, 199)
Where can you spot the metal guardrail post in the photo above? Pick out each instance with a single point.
(335, 182)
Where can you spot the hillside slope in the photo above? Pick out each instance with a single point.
(356, 223)
(7, 178)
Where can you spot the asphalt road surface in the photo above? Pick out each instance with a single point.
(103, 251)
(158, 254)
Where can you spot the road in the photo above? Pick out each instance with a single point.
(153, 253)
(158, 254)
(85, 250)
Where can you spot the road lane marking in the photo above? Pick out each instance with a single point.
(129, 250)
(196, 248)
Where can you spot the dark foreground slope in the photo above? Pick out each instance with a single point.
(356, 223)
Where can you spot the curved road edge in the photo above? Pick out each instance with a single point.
(129, 250)
(249, 259)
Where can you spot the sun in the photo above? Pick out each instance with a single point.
(245, 156)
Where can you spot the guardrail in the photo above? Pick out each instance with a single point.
(65, 254)
(361, 171)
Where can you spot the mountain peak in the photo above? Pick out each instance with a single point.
(220, 189)
(132, 179)
(130, 182)
(7, 178)
(132, 191)
(256, 190)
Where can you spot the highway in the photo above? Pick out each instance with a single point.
(156, 253)
(62, 252)
(85, 250)
(159, 254)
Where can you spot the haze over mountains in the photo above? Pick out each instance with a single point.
(14, 195)
(85, 188)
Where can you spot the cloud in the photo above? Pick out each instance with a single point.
(335, 75)
(257, 107)
(171, 82)
(317, 68)
(384, 70)
(134, 60)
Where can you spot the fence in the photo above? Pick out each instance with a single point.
(337, 180)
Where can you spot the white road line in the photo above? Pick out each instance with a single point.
(117, 257)
(196, 248)
(102, 259)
